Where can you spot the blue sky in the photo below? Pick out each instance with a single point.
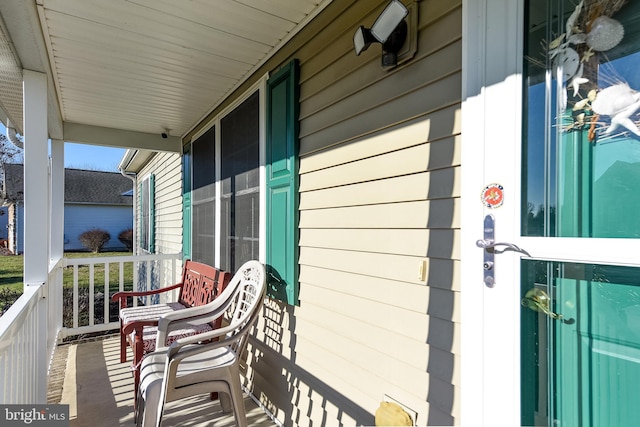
(90, 157)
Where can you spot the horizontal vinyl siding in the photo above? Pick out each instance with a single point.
(167, 168)
(379, 202)
(80, 218)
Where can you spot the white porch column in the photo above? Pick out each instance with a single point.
(36, 182)
(57, 199)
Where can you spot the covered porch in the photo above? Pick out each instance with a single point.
(130, 74)
(347, 173)
(81, 364)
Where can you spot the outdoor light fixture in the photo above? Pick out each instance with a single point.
(390, 29)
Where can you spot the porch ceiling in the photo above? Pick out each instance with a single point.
(138, 66)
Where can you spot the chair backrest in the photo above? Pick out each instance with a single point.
(201, 283)
(249, 288)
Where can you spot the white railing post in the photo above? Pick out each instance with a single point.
(57, 199)
(36, 178)
(55, 302)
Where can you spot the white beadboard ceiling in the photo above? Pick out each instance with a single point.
(146, 65)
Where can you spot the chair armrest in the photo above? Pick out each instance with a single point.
(189, 316)
(207, 340)
(137, 325)
(122, 295)
(198, 344)
(203, 313)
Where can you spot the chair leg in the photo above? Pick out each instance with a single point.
(136, 385)
(237, 402)
(159, 413)
(225, 402)
(151, 405)
(123, 346)
(138, 409)
(138, 354)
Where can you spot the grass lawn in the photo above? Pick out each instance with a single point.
(11, 275)
(11, 272)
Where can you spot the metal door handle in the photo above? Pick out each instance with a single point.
(490, 244)
(538, 300)
(491, 248)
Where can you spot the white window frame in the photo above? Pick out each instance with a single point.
(146, 229)
(260, 86)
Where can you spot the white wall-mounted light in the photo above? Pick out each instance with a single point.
(390, 29)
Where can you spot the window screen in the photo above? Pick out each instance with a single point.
(240, 185)
(203, 195)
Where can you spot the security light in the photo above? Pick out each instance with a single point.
(390, 29)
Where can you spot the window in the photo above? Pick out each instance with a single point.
(240, 178)
(203, 193)
(228, 186)
(147, 214)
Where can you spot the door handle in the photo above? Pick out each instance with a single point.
(538, 300)
(490, 244)
(491, 248)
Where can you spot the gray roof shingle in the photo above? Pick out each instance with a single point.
(81, 186)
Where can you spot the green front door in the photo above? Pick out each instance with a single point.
(581, 359)
(580, 305)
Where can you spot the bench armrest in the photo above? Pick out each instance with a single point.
(122, 296)
(137, 325)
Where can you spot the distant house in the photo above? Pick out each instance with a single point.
(4, 224)
(92, 199)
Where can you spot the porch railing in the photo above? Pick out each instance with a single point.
(28, 333)
(90, 282)
(72, 302)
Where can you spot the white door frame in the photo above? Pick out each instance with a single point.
(491, 145)
(491, 113)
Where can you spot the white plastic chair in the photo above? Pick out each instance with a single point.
(207, 362)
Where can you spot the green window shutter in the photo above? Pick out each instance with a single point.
(282, 184)
(152, 214)
(186, 203)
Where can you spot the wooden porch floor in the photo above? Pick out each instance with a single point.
(99, 391)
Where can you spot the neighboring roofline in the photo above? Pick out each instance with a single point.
(127, 205)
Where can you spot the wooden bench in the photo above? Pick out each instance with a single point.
(199, 285)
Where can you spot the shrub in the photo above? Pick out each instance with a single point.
(94, 239)
(7, 297)
(126, 238)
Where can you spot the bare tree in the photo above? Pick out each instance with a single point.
(9, 153)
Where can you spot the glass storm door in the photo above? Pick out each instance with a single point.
(580, 214)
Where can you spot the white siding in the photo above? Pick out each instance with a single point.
(379, 228)
(167, 168)
(379, 201)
